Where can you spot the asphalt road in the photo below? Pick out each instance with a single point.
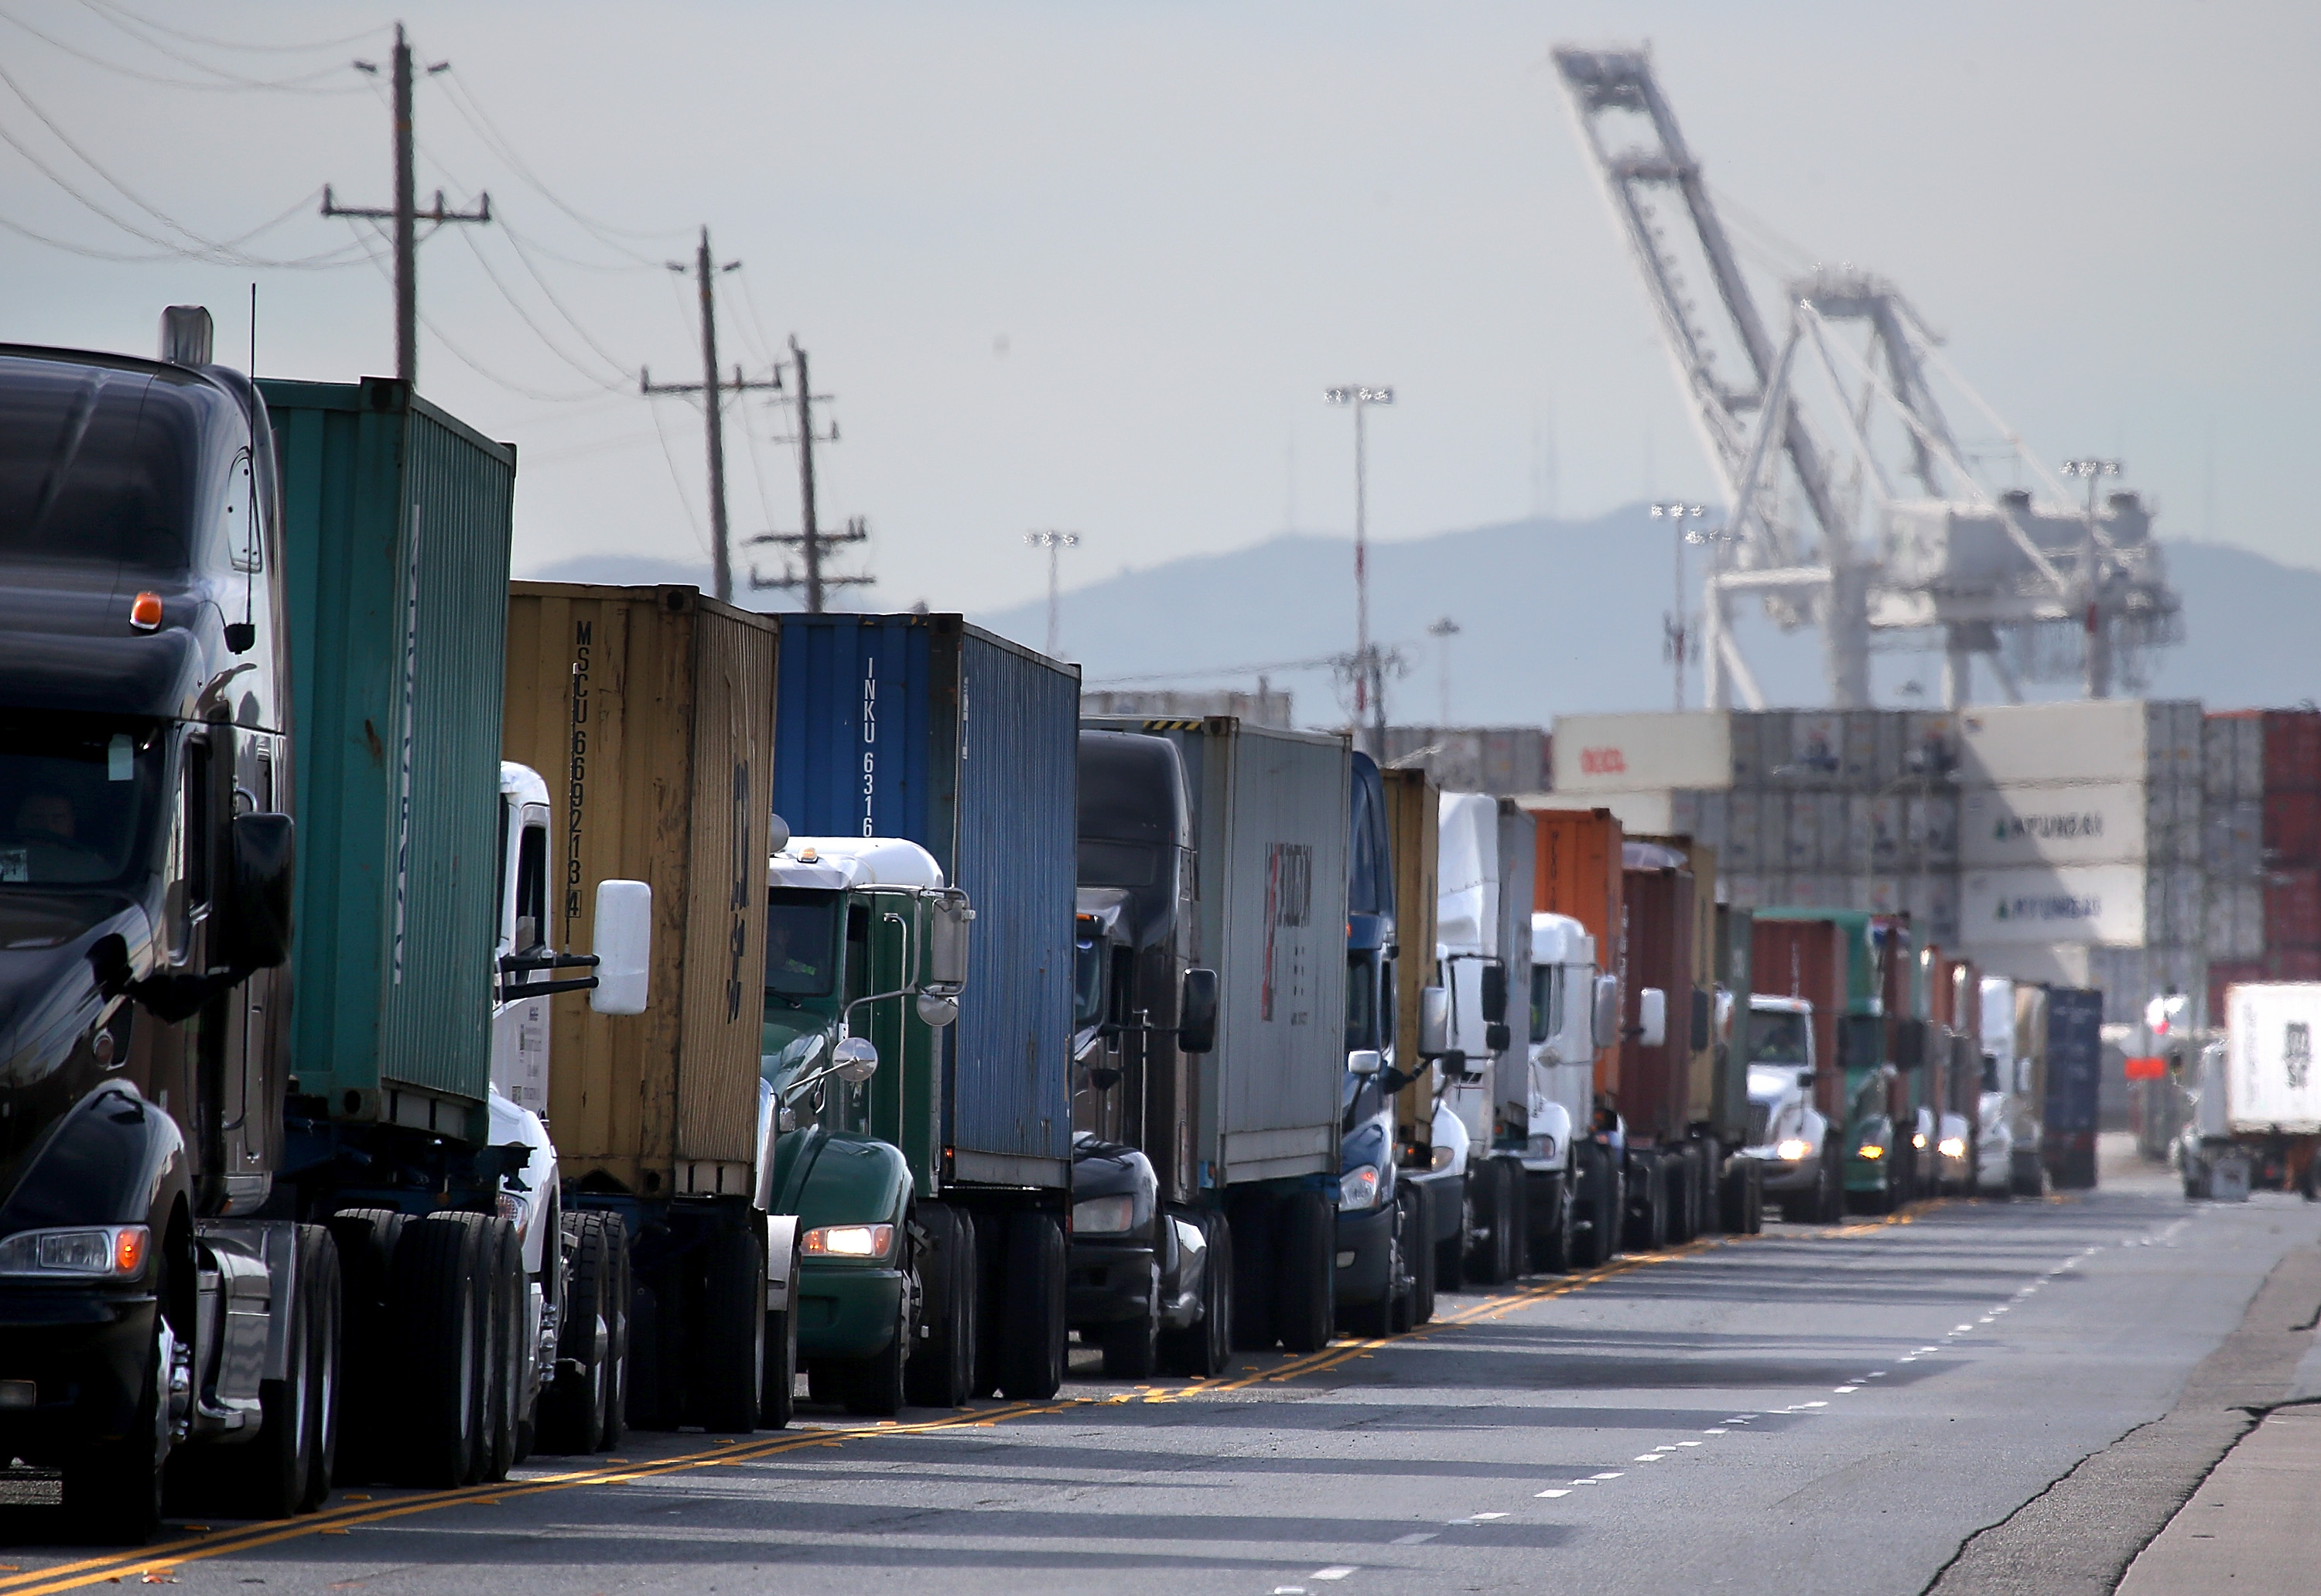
(1834, 1409)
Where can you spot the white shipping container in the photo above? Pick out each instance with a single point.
(1837, 852)
(2093, 903)
(2148, 740)
(1745, 846)
(1930, 830)
(1817, 745)
(2053, 823)
(2231, 837)
(1759, 743)
(1874, 831)
(1600, 753)
(2269, 1076)
(1802, 851)
(2059, 964)
(1931, 899)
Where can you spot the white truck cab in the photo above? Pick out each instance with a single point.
(1787, 1133)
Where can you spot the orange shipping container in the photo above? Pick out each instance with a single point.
(1414, 820)
(1576, 868)
(650, 713)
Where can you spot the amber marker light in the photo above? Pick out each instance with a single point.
(145, 611)
(129, 1249)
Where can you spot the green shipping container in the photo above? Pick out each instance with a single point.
(397, 521)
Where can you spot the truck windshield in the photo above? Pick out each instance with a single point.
(97, 465)
(1546, 1001)
(1777, 1038)
(1361, 1002)
(77, 799)
(1087, 984)
(801, 942)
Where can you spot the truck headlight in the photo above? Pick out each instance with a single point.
(1439, 1159)
(1918, 1140)
(105, 1252)
(1540, 1147)
(1869, 1150)
(1792, 1150)
(1104, 1216)
(1359, 1188)
(1951, 1146)
(848, 1241)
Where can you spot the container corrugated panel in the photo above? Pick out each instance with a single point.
(2292, 908)
(650, 713)
(926, 728)
(2074, 1061)
(1577, 870)
(2292, 751)
(397, 529)
(1655, 1081)
(1518, 842)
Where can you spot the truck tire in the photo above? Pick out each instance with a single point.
(113, 1488)
(1485, 1239)
(573, 1404)
(1648, 1209)
(2029, 1178)
(1517, 1211)
(502, 1303)
(728, 1365)
(620, 1309)
(1304, 1286)
(1132, 1347)
(328, 1326)
(271, 1477)
(1682, 1173)
(366, 1239)
(873, 1387)
(1451, 1271)
(1423, 1257)
(1204, 1347)
(1256, 1223)
(1382, 1318)
(1032, 1352)
(1555, 1245)
(942, 1370)
(1602, 1189)
(777, 1391)
(435, 1309)
(1829, 1206)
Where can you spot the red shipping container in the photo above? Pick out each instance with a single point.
(2292, 908)
(2292, 828)
(2292, 751)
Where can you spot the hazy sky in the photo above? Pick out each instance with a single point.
(1089, 265)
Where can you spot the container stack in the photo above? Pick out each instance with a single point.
(2082, 846)
(2261, 847)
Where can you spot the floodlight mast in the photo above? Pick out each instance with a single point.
(1368, 666)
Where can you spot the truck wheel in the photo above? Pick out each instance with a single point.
(1256, 1223)
(572, 1407)
(1646, 1229)
(1487, 1203)
(942, 1370)
(1032, 1352)
(1683, 1197)
(503, 1304)
(438, 1329)
(1305, 1284)
(619, 1308)
(1205, 1346)
(873, 1387)
(1829, 1206)
(729, 1364)
(366, 1239)
(1599, 1189)
(778, 1392)
(1555, 1246)
(269, 1477)
(1423, 1257)
(327, 1324)
(1515, 1211)
(112, 1489)
(1132, 1347)
(1451, 1271)
(1378, 1318)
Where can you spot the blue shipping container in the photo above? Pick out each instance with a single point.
(926, 728)
(2075, 1060)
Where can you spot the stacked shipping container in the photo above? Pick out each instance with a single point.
(2261, 846)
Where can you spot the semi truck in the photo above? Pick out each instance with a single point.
(1152, 1265)
(1800, 968)
(1483, 947)
(1245, 1135)
(865, 968)
(650, 712)
(2256, 1120)
(921, 728)
(2007, 1131)
(2072, 1037)
(231, 615)
(1849, 978)
(1578, 1190)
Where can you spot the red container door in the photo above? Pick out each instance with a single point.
(2292, 908)
(2292, 751)
(2292, 828)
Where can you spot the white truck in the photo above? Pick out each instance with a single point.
(1788, 1134)
(2256, 1113)
(2006, 1149)
(1548, 1109)
(1480, 1228)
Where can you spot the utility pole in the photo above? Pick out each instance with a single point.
(705, 271)
(405, 213)
(811, 540)
(1673, 631)
(1370, 668)
(1055, 542)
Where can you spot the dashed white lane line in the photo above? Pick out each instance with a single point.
(1552, 1495)
(1417, 1537)
(1336, 1571)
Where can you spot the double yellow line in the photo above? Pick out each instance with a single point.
(156, 1562)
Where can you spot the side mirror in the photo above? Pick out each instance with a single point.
(1197, 1012)
(949, 917)
(1364, 1060)
(264, 848)
(936, 1012)
(1703, 1009)
(1497, 1037)
(1604, 1028)
(1434, 1022)
(855, 1059)
(1494, 997)
(1651, 1017)
(1806, 1077)
(624, 947)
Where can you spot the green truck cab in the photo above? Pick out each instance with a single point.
(1868, 945)
(866, 957)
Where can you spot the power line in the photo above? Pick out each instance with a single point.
(538, 331)
(233, 82)
(111, 12)
(473, 112)
(516, 242)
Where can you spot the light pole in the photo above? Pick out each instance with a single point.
(1676, 632)
(1370, 679)
(1442, 632)
(1055, 542)
(2098, 645)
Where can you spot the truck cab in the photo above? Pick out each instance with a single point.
(1574, 1013)
(1788, 1133)
(865, 966)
